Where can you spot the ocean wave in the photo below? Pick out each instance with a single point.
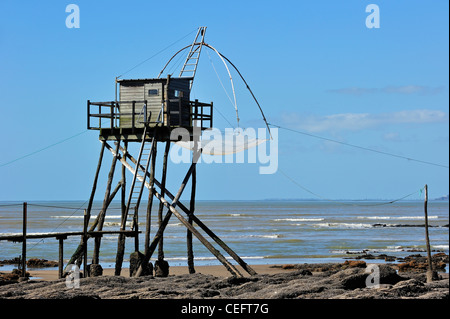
(397, 217)
(265, 236)
(81, 217)
(343, 225)
(443, 247)
(212, 258)
(363, 225)
(299, 219)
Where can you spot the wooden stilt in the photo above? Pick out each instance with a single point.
(171, 211)
(136, 229)
(210, 233)
(190, 252)
(150, 201)
(24, 240)
(121, 237)
(85, 239)
(78, 251)
(161, 206)
(102, 213)
(431, 275)
(203, 240)
(61, 256)
(94, 186)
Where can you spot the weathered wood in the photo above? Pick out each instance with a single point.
(24, 241)
(133, 181)
(19, 238)
(210, 233)
(150, 201)
(94, 186)
(136, 228)
(101, 215)
(61, 257)
(190, 252)
(85, 239)
(121, 237)
(163, 181)
(159, 235)
(430, 271)
(172, 210)
(203, 240)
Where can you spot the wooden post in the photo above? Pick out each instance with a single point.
(150, 200)
(121, 238)
(102, 213)
(430, 272)
(24, 240)
(78, 251)
(136, 228)
(61, 255)
(190, 252)
(85, 244)
(94, 186)
(161, 206)
(210, 233)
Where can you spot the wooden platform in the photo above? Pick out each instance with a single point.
(19, 238)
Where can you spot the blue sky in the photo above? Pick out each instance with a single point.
(313, 65)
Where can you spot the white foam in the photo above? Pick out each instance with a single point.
(299, 219)
(397, 217)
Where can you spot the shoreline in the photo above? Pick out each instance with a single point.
(349, 280)
(213, 270)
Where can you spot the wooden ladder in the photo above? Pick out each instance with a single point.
(137, 187)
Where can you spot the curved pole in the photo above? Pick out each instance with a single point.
(248, 87)
(165, 66)
(231, 79)
(224, 57)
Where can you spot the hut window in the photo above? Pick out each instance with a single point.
(153, 92)
(178, 93)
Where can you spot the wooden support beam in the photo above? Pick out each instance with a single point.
(171, 211)
(165, 221)
(160, 210)
(61, 256)
(150, 201)
(85, 239)
(210, 233)
(94, 186)
(190, 251)
(79, 251)
(101, 215)
(24, 241)
(431, 275)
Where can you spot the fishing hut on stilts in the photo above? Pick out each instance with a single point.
(147, 112)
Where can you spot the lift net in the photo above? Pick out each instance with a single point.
(222, 144)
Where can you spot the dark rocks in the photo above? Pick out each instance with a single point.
(161, 268)
(41, 263)
(419, 263)
(136, 259)
(339, 283)
(95, 270)
(355, 263)
(388, 275)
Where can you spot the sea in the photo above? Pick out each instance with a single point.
(260, 232)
